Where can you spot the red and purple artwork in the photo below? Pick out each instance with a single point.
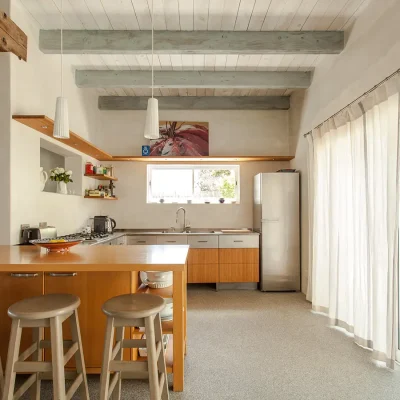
(181, 139)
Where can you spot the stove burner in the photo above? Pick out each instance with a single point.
(86, 236)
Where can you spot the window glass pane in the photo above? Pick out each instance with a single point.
(214, 183)
(171, 183)
(193, 183)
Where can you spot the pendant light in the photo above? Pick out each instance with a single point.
(61, 120)
(152, 128)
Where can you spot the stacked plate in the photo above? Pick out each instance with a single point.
(156, 279)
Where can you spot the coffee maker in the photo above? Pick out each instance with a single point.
(104, 224)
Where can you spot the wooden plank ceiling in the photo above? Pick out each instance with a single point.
(227, 15)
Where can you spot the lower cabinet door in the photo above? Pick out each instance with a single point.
(93, 288)
(239, 273)
(202, 273)
(15, 287)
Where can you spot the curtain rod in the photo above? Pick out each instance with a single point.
(358, 98)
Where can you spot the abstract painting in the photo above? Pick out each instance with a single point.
(181, 138)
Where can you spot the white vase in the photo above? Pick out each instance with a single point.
(62, 188)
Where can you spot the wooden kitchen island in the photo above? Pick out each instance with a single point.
(95, 274)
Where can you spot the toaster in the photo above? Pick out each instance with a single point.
(28, 234)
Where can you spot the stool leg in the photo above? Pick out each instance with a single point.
(162, 368)
(12, 357)
(120, 331)
(107, 352)
(57, 356)
(152, 358)
(79, 358)
(37, 337)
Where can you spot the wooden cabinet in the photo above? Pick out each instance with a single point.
(15, 287)
(203, 266)
(93, 288)
(239, 265)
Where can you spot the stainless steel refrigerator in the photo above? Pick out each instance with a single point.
(277, 217)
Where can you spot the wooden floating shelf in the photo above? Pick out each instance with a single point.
(102, 177)
(101, 198)
(184, 159)
(45, 125)
(166, 293)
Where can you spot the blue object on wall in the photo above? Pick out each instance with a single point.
(145, 150)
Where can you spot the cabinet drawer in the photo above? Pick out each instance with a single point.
(203, 273)
(238, 256)
(203, 242)
(172, 239)
(141, 240)
(239, 273)
(203, 256)
(239, 241)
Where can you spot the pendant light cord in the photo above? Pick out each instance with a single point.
(152, 48)
(62, 48)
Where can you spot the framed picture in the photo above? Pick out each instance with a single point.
(181, 138)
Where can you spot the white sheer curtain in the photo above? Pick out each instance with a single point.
(355, 193)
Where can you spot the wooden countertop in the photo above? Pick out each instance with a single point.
(94, 258)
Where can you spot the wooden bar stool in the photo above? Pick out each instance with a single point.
(134, 310)
(51, 311)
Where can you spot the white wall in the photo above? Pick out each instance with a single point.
(372, 53)
(34, 87)
(231, 133)
(5, 117)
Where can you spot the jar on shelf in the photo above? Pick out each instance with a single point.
(89, 168)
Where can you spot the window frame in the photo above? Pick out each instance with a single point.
(193, 167)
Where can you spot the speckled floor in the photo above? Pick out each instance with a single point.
(248, 345)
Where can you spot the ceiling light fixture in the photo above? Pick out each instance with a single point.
(61, 120)
(151, 128)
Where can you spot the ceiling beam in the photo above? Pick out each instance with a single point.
(192, 79)
(197, 103)
(12, 38)
(192, 42)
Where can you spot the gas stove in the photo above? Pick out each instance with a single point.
(86, 237)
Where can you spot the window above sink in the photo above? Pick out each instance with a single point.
(193, 184)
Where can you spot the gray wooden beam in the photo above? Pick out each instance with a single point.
(192, 42)
(197, 103)
(192, 79)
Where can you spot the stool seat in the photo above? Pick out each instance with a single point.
(46, 306)
(139, 305)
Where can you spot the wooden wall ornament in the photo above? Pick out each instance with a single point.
(12, 38)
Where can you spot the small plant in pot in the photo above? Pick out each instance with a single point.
(62, 177)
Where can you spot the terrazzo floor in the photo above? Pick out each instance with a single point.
(248, 345)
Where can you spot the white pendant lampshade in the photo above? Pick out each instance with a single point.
(61, 121)
(152, 128)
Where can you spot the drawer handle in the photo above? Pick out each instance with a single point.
(171, 241)
(18, 275)
(140, 241)
(62, 274)
(238, 241)
(202, 241)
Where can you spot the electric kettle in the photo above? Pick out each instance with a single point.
(104, 224)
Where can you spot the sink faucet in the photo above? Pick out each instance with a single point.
(184, 217)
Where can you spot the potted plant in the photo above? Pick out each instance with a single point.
(62, 177)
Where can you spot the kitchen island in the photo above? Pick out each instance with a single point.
(95, 273)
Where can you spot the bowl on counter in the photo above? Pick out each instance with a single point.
(156, 279)
(56, 245)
